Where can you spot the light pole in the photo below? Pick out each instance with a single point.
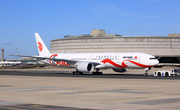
(16, 54)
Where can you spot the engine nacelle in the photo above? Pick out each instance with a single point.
(85, 67)
(119, 70)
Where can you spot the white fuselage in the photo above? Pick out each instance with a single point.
(106, 60)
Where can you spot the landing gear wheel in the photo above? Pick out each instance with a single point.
(97, 72)
(73, 72)
(80, 73)
(145, 74)
(77, 73)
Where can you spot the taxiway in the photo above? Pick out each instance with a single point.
(59, 89)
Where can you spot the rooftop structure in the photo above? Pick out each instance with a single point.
(174, 35)
(94, 33)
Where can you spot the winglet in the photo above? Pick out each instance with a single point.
(41, 46)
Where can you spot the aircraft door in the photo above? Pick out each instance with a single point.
(89, 58)
(139, 58)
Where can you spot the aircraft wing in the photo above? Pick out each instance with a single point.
(55, 59)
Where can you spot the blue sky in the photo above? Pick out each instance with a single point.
(52, 19)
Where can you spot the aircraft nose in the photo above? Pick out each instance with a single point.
(156, 62)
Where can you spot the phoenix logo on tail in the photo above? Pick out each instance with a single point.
(40, 46)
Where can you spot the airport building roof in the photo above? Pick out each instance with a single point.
(94, 33)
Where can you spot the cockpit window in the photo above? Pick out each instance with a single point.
(152, 58)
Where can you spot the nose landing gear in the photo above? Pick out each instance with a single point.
(146, 71)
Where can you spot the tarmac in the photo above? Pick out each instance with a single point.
(58, 89)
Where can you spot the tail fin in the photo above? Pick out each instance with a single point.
(41, 46)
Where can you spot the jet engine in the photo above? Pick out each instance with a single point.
(85, 67)
(119, 70)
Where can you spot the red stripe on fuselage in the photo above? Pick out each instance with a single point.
(124, 65)
(61, 63)
(114, 64)
(51, 61)
(140, 65)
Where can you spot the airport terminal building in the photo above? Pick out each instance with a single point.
(98, 41)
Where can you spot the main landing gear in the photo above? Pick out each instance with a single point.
(77, 73)
(97, 72)
(81, 73)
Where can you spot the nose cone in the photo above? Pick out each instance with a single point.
(156, 62)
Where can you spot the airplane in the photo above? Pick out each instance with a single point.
(6, 63)
(93, 62)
